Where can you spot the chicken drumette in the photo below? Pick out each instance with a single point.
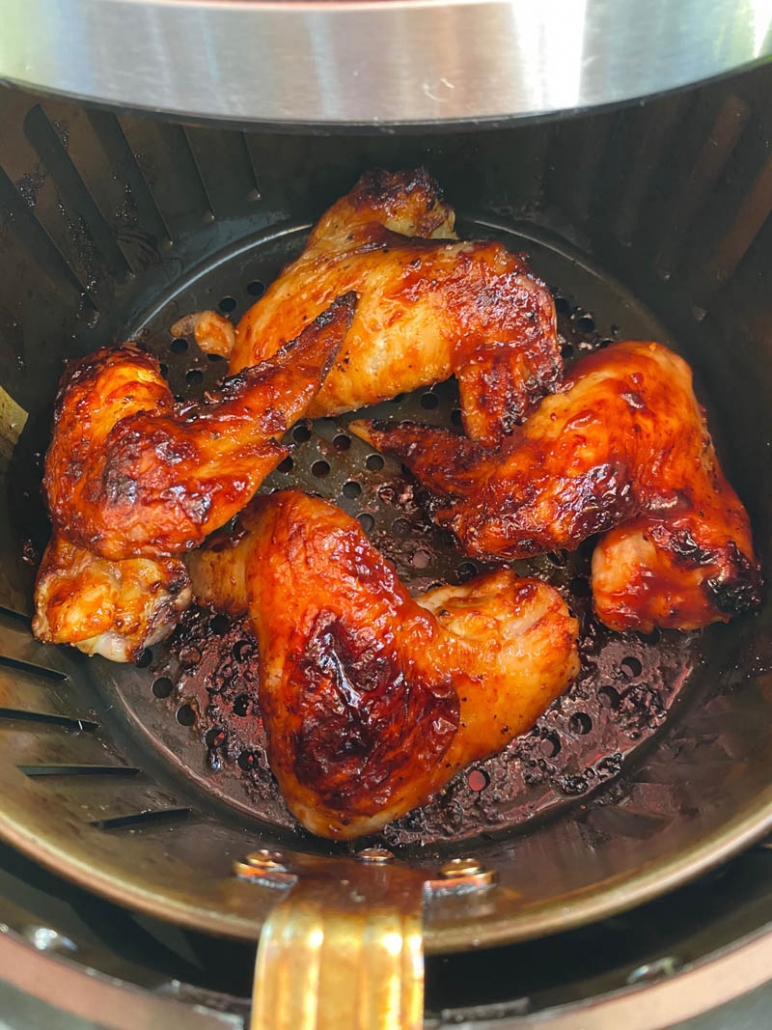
(429, 307)
(622, 446)
(372, 700)
(133, 479)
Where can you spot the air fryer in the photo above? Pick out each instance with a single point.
(148, 785)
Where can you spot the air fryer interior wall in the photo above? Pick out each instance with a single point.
(105, 221)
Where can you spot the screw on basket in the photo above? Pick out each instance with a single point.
(457, 867)
(264, 866)
(375, 856)
(460, 875)
(265, 859)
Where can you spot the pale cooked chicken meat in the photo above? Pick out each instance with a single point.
(372, 700)
(623, 443)
(130, 473)
(429, 307)
(113, 609)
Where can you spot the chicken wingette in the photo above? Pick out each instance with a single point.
(622, 446)
(373, 700)
(111, 608)
(130, 473)
(430, 307)
(133, 479)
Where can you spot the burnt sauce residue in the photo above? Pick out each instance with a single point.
(622, 696)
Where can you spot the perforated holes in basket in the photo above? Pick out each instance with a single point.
(580, 723)
(550, 745)
(421, 559)
(585, 323)
(631, 667)
(162, 687)
(608, 697)
(400, 528)
(186, 715)
(478, 780)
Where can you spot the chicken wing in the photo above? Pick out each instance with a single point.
(429, 307)
(652, 571)
(623, 441)
(373, 700)
(130, 474)
(114, 609)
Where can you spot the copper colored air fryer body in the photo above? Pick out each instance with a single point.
(149, 785)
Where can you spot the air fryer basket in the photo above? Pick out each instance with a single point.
(648, 222)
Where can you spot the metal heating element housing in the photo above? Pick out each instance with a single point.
(145, 785)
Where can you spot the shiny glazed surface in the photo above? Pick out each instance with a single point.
(429, 307)
(373, 700)
(130, 473)
(621, 446)
(133, 478)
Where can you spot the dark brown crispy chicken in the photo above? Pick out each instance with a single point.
(372, 699)
(130, 473)
(429, 307)
(622, 444)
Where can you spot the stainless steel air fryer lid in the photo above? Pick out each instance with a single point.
(370, 62)
(122, 224)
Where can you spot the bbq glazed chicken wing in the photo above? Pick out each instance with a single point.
(372, 700)
(133, 478)
(652, 571)
(622, 446)
(130, 474)
(429, 307)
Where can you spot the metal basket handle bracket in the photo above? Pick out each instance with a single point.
(343, 948)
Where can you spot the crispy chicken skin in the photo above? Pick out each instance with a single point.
(429, 307)
(372, 699)
(653, 572)
(622, 446)
(114, 609)
(130, 474)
